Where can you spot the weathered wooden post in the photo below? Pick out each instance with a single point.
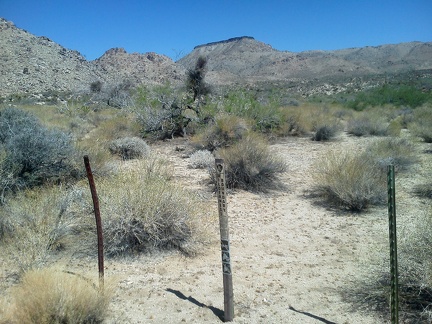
(98, 221)
(394, 295)
(225, 243)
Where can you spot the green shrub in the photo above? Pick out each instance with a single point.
(246, 104)
(351, 180)
(129, 148)
(390, 94)
(49, 296)
(250, 165)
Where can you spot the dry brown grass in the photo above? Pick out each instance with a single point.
(351, 180)
(52, 296)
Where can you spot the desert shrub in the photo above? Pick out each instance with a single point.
(392, 150)
(424, 190)
(325, 132)
(293, 122)
(96, 86)
(366, 126)
(226, 130)
(266, 117)
(351, 180)
(163, 113)
(40, 222)
(372, 290)
(250, 165)
(420, 125)
(33, 154)
(129, 148)
(201, 159)
(144, 211)
(50, 296)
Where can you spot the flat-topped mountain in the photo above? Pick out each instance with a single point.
(244, 58)
(31, 64)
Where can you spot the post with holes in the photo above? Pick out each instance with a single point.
(394, 297)
(98, 221)
(225, 244)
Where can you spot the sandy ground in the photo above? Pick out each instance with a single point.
(292, 257)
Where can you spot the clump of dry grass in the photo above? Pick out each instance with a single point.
(38, 222)
(143, 210)
(250, 165)
(351, 180)
(365, 125)
(372, 290)
(50, 296)
(393, 150)
(420, 125)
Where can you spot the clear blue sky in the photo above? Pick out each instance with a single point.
(174, 27)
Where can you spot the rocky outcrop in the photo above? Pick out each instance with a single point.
(31, 64)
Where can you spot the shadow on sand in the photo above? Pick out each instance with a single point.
(219, 313)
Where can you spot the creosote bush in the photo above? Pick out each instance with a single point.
(251, 165)
(50, 296)
(351, 180)
(129, 148)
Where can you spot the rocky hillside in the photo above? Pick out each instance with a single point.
(244, 58)
(31, 64)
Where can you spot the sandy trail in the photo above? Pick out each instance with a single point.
(291, 257)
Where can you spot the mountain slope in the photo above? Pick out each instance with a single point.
(244, 58)
(31, 64)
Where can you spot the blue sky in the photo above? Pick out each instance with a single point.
(174, 28)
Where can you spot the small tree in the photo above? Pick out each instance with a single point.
(166, 113)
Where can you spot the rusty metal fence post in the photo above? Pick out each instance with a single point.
(225, 243)
(394, 294)
(98, 221)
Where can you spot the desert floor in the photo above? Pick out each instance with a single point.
(293, 256)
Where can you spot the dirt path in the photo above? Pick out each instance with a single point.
(291, 258)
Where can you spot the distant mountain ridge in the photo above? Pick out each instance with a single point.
(31, 64)
(244, 58)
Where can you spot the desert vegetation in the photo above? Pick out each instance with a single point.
(46, 210)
